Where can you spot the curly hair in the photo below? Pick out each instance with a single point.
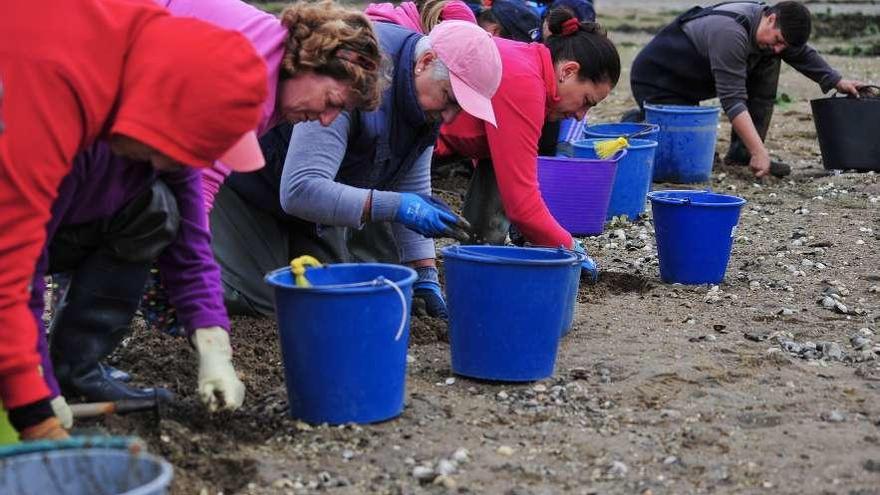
(337, 42)
(431, 12)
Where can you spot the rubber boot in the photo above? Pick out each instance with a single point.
(60, 281)
(89, 323)
(483, 208)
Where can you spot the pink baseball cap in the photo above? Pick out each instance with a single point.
(474, 65)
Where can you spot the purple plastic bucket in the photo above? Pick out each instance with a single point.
(577, 190)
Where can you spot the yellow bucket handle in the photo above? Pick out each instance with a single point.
(298, 267)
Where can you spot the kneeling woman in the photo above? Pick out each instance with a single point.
(575, 69)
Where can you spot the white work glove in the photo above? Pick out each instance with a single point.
(62, 412)
(219, 386)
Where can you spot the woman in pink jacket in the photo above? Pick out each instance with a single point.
(321, 58)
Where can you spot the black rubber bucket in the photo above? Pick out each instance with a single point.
(849, 130)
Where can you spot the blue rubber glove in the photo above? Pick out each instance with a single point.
(431, 217)
(589, 266)
(427, 288)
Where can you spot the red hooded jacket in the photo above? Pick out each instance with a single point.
(75, 70)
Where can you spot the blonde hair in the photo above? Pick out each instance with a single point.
(333, 41)
(430, 13)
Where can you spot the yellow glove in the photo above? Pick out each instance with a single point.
(219, 386)
(62, 412)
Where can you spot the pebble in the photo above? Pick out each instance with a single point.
(867, 332)
(423, 473)
(786, 312)
(828, 302)
(446, 467)
(874, 288)
(447, 481)
(347, 454)
(539, 388)
(502, 395)
(461, 455)
(833, 417)
(505, 450)
(282, 483)
(670, 460)
(617, 468)
(450, 381)
(859, 342)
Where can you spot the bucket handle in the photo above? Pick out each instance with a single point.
(684, 201)
(404, 311)
(837, 94)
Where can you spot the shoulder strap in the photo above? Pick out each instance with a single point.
(705, 12)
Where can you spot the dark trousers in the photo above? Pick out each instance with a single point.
(249, 242)
(483, 207)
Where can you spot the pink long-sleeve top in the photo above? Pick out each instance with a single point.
(522, 102)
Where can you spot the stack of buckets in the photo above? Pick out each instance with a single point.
(633, 179)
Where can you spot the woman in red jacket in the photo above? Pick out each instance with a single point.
(154, 85)
(575, 69)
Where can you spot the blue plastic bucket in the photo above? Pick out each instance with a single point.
(695, 231)
(612, 130)
(87, 471)
(507, 308)
(686, 144)
(344, 340)
(574, 287)
(632, 181)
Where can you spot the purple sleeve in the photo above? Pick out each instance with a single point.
(37, 301)
(38, 293)
(189, 272)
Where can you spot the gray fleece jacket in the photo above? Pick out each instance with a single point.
(731, 50)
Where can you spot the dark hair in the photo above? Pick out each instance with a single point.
(516, 21)
(589, 46)
(793, 19)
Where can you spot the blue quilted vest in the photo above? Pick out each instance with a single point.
(384, 144)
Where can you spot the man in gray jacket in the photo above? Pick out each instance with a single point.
(733, 51)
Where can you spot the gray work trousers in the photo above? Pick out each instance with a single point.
(249, 242)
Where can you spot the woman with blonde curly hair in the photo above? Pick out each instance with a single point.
(320, 59)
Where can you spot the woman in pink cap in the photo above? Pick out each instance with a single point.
(359, 189)
(420, 17)
(575, 69)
